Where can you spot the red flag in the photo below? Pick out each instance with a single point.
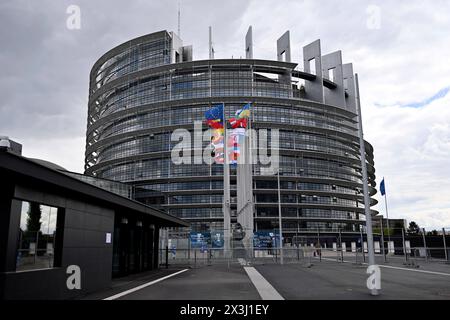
(238, 123)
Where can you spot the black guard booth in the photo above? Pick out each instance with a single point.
(104, 234)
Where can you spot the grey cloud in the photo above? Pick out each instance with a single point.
(45, 67)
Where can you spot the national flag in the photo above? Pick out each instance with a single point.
(215, 116)
(234, 158)
(234, 143)
(238, 123)
(244, 112)
(215, 119)
(382, 188)
(219, 156)
(215, 124)
(217, 138)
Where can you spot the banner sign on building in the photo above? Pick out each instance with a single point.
(217, 239)
(266, 239)
(200, 239)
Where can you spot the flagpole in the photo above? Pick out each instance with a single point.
(249, 171)
(365, 181)
(226, 189)
(280, 222)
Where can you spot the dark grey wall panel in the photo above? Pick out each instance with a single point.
(84, 244)
(13, 235)
(37, 285)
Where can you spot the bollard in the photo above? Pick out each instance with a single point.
(425, 244)
(404, 246)
(363, 252)
(362, 245)
(189, 250)
(382, 240)
(337, 251)
(167, 257)
(445, 244)
(195, 258)
(310, 264)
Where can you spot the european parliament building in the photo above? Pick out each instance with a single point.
(145, 88)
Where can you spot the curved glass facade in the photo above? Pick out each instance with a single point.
(139, 95)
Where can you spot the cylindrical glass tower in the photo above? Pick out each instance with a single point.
(144, 89)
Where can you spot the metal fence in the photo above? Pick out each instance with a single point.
(176, 248)
(202, 257)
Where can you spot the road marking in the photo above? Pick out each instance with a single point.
(421, 271)
(124, 293)
(242, 261)
(264, 288)
(398, 268)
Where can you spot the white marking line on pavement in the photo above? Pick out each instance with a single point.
(242, 262)
(124, 293)
(399, 268)
(421, 271)
(264, 288)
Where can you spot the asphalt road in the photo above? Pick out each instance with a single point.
(345, 281)
(326, 280)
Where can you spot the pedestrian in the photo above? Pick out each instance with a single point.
(318, 249)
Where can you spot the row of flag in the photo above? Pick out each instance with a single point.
(215, 119)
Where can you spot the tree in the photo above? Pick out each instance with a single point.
(397, 228)
(34, 217)
(433, 233)
(413, 228)
(33, 231)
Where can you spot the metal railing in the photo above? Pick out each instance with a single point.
(405, 249)
(237, 257)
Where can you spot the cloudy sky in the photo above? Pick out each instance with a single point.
(400, 49)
